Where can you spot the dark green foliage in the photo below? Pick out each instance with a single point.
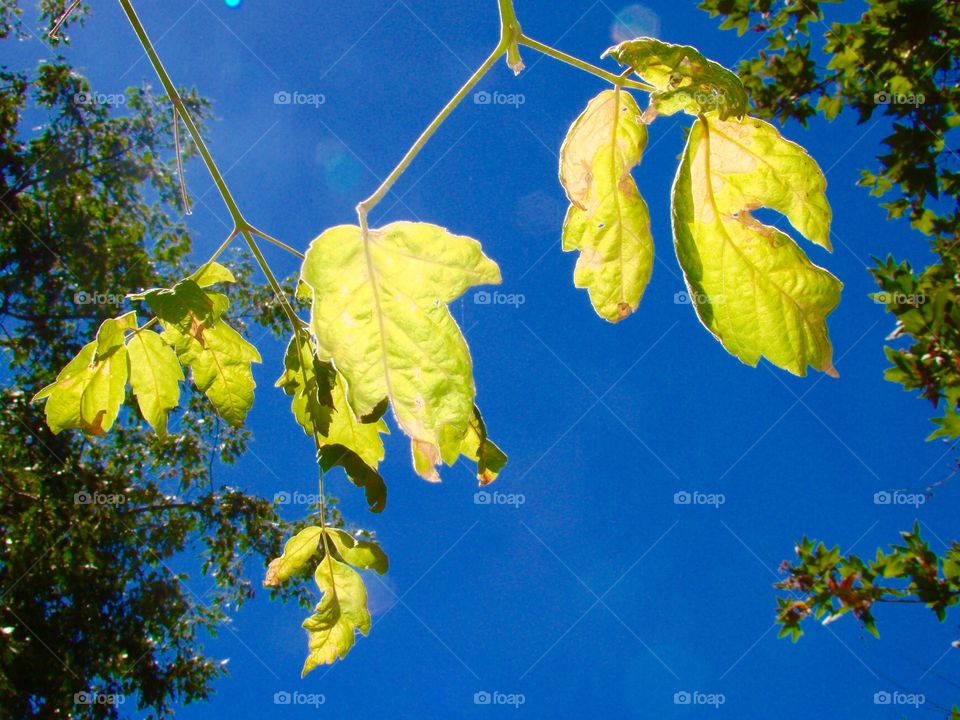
(821, 583)
(89, 530)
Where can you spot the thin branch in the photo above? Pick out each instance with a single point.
(620, 80)
(176, 149)
(62, 19)
(278, 243)
(364, 207)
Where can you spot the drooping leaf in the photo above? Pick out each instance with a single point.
(88, 392)
(751, 284)
(218, 356)
(297, 552)
(340, 613)
(309, 382)
(155, 376)
(380, 314)
(608, 221)
(359, 472)
(323, 412)
(363, 554)
(362, 438)
(489, 458)
(684, 79)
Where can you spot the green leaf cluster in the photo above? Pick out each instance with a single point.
(823, 584)
(751, 284)
(334, 556)
(89, 391)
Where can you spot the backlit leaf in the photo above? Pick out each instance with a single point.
(478, 447)
(309, 382)
(363, 554)
(297, 552)
(88, 392)
(155, 376)
(684, 79)
(218, 356)
(340, 613)
(608, 221)
(380, 314)
(359, 472)
(751, 285)
(323, 412)
(212, 274)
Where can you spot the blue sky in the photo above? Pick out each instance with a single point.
(598, 594)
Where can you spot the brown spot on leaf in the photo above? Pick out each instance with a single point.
(273, 574)
(196, 329)
(96, 427)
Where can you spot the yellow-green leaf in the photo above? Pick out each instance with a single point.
(363, 554)
(219, 360)
(88, 392)
(297, 552)
(320, 406)
(489, 458)
(212, 274)
(751, 284)
(380, 314)
(155, 376)
(340, 613)
(218, 356)
(608, 221)
(363, 438)
(684, 79)
(309, 382)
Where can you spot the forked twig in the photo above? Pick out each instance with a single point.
(62, 19)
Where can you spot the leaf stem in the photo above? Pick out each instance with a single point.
(176, 149)
(511, 37)
(365, 206)
(510, 34)
(278, 243)
(171, 90)
(241, 226)
(619, 80)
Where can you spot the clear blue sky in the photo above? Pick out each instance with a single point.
(599, 595)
